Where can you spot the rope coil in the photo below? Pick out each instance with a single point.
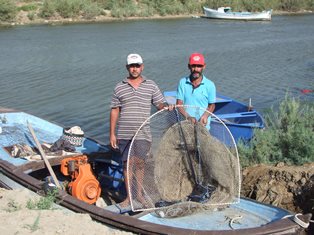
(299, 221)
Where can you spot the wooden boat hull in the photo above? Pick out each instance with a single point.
(21, 173)
(214, 14)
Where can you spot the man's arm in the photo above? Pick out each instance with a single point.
(184, 113)
(114, 115)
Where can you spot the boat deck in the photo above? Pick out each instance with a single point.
(245, 214)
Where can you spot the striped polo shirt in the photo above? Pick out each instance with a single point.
(135, 107)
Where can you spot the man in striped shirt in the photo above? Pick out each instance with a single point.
(130, 107)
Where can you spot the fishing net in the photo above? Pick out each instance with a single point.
(178, 167)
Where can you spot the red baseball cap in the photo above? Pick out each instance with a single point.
(197, 58)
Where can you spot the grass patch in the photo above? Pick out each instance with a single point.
(43, 203)
(28, 7)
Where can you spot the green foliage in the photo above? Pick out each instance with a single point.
(44, 203)
(125, 8)
(29, 7)
(91, 10)
(289, 5)
(288, 137)
(169, 7)
(48, 9)
(69, 8)
(8, 10)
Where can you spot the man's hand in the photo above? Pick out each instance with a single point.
(192, 119)
(170, 107)
(113, 142)
(204, 118)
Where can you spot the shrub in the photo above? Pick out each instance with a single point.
(69, 8)
(169, 7)
(91, 10)
(8, 10)
(48, 9)
(124, 9)
(289, 136)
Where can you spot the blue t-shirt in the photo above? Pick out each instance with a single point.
(200, 96)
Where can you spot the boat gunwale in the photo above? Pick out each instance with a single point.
(133, 224)
(17, 173)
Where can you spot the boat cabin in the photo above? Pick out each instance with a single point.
(224, 9)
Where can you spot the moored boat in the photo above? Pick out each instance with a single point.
(241, 119)
(226, 14)
(245, 217)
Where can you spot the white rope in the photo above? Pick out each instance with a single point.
(298, 221)
(234, 220)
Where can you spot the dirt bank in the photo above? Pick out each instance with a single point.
(288, 187)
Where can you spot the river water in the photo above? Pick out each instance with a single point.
(66, 73)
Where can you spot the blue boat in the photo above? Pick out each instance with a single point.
(23, 129)
(240, 119)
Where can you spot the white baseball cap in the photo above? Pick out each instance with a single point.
(134, 59)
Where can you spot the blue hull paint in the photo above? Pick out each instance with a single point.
(234, 114)
(254, 215)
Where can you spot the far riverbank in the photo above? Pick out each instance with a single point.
(22, 18)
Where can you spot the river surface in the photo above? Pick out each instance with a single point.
(66, 73)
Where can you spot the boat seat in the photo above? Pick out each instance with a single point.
(237, 115)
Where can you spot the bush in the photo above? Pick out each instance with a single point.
(169, 7)
(125, 8)
(8, 10)
(48, 9)
(289, 136)
(91, 10)
(69, 8)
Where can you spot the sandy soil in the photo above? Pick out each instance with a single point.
(17, 219)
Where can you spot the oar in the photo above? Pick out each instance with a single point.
(42, 153)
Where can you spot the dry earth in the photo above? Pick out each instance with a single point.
(288, 187)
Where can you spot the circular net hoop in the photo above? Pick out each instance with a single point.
(177, 167)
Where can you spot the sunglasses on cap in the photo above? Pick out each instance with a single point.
(196, 66)
(134, 65)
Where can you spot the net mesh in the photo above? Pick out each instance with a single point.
(181, 167)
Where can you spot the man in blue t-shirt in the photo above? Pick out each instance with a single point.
(197, 90)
